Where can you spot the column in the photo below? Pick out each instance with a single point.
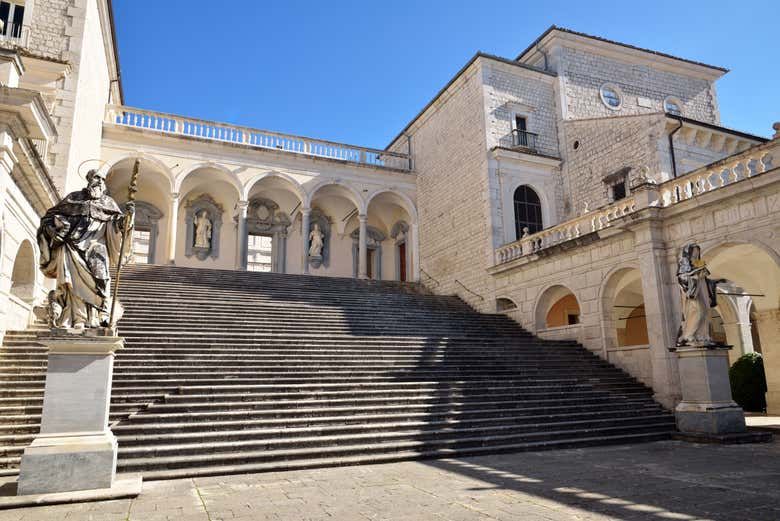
(362, 250)
(242, 238)
(662, 323)
(173, 222)
(305, 214)
(415, 243)
(768, 325)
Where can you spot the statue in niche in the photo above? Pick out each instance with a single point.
(203, 228)
(79, 238)
(698, 294)
(316, 241)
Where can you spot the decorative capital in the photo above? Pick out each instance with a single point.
(362, 217)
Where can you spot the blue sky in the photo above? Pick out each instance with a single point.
(358, 72)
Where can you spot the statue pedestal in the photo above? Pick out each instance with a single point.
(707, 407)
(75, 449)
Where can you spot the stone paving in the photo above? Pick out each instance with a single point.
(652, 481)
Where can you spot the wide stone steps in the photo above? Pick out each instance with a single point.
(235, 372)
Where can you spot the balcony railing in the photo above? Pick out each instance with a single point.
(13, 33)
(524, 139)
(749, 163)
(224, 132)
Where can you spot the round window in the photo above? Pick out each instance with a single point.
(610, 95)
(672, 106)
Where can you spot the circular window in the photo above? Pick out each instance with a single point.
(610, 96)
(673, 106)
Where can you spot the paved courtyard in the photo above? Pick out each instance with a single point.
(654, 481)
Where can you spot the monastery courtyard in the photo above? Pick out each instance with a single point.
(667, 480)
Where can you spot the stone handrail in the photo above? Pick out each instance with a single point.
(571, 229)
(715, 176)
(192, 127)
(711, 177)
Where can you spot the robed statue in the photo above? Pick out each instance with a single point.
(316, 237)
(79, 239)
(203, 229)
(698, 293)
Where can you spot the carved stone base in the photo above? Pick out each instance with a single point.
(707, 406)
(62, 463)
(315, 261)
(75, 450)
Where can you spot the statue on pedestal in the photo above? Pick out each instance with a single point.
(79, 239)
(203, 230)
(698, 294)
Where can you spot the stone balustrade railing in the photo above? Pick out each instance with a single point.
(571, 229)
(718, 175)
(191, 127)
(706, 179)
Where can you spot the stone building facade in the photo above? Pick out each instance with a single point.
(556, 187)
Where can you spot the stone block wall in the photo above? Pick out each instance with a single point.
(511, 89)
(50, 29)
(450, 158)
(644, 88)
(604, 146)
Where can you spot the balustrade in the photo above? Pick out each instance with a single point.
(706, 179)
(178, 125)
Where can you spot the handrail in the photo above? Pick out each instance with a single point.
(467, 289)
(429, 276)
(267, 139)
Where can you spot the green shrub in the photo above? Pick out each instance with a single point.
(748, 382)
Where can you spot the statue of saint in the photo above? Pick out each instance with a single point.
(316, 238)
(698, 295)
(79, 238)
(203, 230)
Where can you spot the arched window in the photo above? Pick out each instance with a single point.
(528, 211)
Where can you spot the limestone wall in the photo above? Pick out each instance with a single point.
(512, 90)
(644, 88)
(450, 158)
(605, 146)
(49, 28)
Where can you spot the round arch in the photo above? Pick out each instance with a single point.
(228, 175)
(528, 209)
(622, 308)
(556, 306)
(294, 186)
(349, 192)
(107, 167)
(23, 272)
(405, 201)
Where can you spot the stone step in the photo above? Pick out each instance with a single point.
(263, 454)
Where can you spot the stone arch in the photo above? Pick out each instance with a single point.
(526, 197)
(406, 202)
(23, 272)
(147, 217)
(294, 185)
(349, 192)
(755, 268)
(558, 299)
(107, 167)
(622, 308)
(504, 304)
(227, 175)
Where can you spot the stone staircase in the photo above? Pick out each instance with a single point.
(227, 372)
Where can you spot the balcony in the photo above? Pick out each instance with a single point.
(262, 139)
(14, 34)
(524, 140)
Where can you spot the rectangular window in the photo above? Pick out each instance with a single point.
(259, 256)
(12, 16)
(141, 239)
(520, 123)
(619, 191)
